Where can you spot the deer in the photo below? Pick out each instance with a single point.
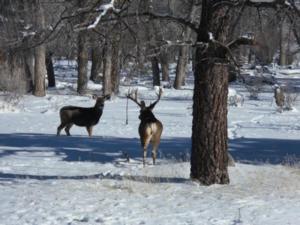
(150, 128)
(81, 116)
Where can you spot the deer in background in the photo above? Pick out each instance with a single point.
(80, 116)
(150, 128)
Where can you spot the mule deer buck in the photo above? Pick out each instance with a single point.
(80, 116)
(150, 128)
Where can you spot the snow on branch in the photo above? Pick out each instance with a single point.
(247, 39)
(103, 9)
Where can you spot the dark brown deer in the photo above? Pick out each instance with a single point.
(150, 128)
(80, 116)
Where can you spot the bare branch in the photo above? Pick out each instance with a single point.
(158, 98)
(245, 40)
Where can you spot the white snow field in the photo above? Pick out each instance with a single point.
(50, 180)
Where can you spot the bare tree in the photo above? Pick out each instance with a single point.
(184, 50)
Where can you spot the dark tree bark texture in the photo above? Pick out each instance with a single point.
(50, 70)
(97, 58)
(209, 158)
(155, 71)
(209, 139)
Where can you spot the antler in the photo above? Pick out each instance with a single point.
(159, 94)
(133, 96)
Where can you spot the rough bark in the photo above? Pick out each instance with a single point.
(164, 63)
(15, 76)
(209, 158)
(82, 59)
(40, 71)
(107, 66)
(115, 64)
(97, 58)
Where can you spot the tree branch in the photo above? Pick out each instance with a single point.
(245, 40)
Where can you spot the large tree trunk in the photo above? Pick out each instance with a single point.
(97, 58)
(39, 88)
(107, 66)
(209, 158)
(209, 138)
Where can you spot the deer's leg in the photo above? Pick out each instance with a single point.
(155, 144)
(59, 128)
(154, 155)
(156, 140)
(89, 130)
(67, 129)
(145, 143)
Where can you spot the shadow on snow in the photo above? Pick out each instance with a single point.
(110, 149)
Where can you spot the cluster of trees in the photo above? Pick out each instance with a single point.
(121, 34)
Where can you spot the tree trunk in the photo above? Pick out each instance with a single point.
(107, 66)
(209, 137)
(155, 71)
(82, 57)
(115, 64)
(39, 55)
(82, 60)
(164, 63)
(50, 70)
(29, 69)
(181, 68)
(183, 57)
(209, 158)
(97, 58)
(283, 46)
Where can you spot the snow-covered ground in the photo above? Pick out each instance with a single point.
(48, 180)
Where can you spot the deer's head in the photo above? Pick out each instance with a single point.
(100, 100)
(146, 113)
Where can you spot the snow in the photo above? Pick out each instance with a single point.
(45, 179)
(103, 10)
